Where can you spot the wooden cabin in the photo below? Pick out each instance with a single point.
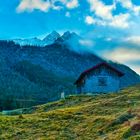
(102, 78)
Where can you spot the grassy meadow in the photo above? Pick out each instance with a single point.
(114, 116)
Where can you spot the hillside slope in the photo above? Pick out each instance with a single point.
(39, 74)
(111, 117)
(32, 75)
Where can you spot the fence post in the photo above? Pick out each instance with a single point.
(62, 95)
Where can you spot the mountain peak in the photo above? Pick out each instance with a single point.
(54, 32)
(69, 34)
(66, 35)
(52, 36)
(75, 34)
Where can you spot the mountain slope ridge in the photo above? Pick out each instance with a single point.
(51, 69)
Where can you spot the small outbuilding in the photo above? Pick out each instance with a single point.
(102, 78)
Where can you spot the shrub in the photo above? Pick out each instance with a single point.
(127, 134)
(20, 116)
(135, 128)
(123, 118)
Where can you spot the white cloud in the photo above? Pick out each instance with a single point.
(104, 15)
(135, 68)
(30, 5)
(117, 21)
(45, 6)
(136, 9)
(124, 55)
(133, 40)
(89, 20)
(120, 21)
(128, 4)
(67, 14)
(108, 39)
(87, 43)
(72, 4)
(100, 9)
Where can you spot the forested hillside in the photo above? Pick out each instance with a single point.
(32, 75)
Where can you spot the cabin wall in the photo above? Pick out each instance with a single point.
(92, 85)
(101, 81)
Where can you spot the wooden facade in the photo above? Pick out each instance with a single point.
(101, 78)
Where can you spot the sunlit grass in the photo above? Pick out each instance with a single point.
(111, 117)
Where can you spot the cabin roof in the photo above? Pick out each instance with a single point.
(83, 74)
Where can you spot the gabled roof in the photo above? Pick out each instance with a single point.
(83, 74)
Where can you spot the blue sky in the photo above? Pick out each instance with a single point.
(112, 25)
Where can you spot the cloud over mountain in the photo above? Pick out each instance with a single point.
(125, 54)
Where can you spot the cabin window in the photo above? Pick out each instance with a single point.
(102, 81)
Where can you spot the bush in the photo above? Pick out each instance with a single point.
(135, 128)
(20, 116)
(123, 118)
(127, 134)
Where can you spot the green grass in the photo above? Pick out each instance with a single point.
(111, 117)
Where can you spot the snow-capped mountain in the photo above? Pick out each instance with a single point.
(68, 36)
(51, 38)
(32, 42)
(48, 40)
